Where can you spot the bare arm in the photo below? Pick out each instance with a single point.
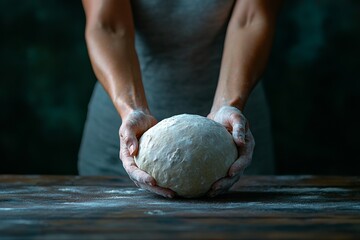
(110, 41)
(247, 45)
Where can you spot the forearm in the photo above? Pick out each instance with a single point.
(246, 49)
(116, 66)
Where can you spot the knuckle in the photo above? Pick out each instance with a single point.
(235, 116)
(125, 126)
(238, 119)
(125, 139)
(122, 130)
(122, 153)
(129, 125)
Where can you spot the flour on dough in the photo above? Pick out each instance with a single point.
(186, 153)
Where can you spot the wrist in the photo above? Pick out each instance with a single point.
(125, 108)
(238, 103)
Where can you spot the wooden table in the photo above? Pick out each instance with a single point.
(259, 207)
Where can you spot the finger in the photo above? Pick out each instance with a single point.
(222, 186)
(124, 154)
(248, 149)
(132, 170)
(238, 123)
(224, 183)
(238, 167)
(128, 138)
(245, 157)
(250, 139)
(238, 134)
(138, 175)
(165, 192)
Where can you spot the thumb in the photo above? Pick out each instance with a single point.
(130, 141)
(238, 132)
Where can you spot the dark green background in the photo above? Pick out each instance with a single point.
(312, 83)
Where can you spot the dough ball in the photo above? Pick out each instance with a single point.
(186, 153)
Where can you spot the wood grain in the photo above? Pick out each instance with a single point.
(258, 207)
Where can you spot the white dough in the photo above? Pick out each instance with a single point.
(186, 153)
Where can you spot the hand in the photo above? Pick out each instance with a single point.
(238, 126)
(132, 127)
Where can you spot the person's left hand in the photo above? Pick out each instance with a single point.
(236, 123)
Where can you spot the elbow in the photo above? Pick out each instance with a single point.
(247, 19)
(253, 19)
(248, 14)
(107, 29)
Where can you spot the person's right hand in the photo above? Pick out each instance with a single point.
(131, 129)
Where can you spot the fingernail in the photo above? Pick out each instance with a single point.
(240, 136)
(131, 149)
(169, 196)
(149, 182)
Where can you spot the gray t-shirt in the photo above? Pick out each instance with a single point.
(179, 45)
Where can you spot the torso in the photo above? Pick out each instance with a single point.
(179, 44)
